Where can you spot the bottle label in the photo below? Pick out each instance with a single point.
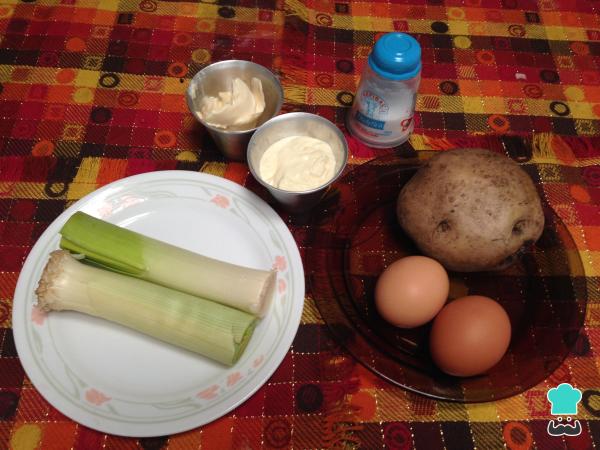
(369, 122)
(380, 121)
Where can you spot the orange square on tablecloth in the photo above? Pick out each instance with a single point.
(16, 91)
(77, 113)
(236, 172)
(32, 406)
(187, 440)
(591, 93)
(105, 17)
(436, 13)
(362, 9)
(186, 24)
(8, 283)
(111, 170)
(149, 101)
(49, 130)
(380, 9)
(475, 15)
(491, 88)
(570, 20)
(268, 30)
(513, 17)
(584, 371)
(398, 12)
(58, 436)
(553, 92)
(121, 443)
(593, 341)
(422, 407)
(218, 434)
(59, 94)
(173, 103)
(550, 18)
(105, 97)
(464, 57)
(59, 14)
(590, 20)
(429, 87)
(311, 422)
(512, 89)
(247, 433)
(469, 88)
(85, 15)
(145, 20)
(6, 429)
(346, 82)
(592, 235)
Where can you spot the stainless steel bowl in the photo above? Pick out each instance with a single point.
(297, 124)
(217, 78)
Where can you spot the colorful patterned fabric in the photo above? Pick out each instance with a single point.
(92, 91)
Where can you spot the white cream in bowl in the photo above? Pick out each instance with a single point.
(298, 163)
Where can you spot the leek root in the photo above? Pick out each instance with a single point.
(118, 249)
(202, 326)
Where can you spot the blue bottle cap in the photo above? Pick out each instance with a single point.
(396, 56)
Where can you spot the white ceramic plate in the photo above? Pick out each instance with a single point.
(121, 382)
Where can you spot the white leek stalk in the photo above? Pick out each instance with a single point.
(201, 326)
(118, 249)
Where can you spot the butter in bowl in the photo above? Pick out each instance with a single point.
(231, 99)
(297, 156)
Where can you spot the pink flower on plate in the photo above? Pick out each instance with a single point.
(105, 210)
(129, 200)
(258, 361)
(280, 263)
(220, 200)
(233, 378)
(96, 397)
(208, 393)
(281, 285)
(38, 316)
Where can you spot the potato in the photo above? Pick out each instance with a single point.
(471, 209)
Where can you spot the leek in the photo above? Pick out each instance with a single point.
(118, 249)
(201, 326)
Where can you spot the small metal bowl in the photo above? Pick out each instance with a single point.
(297, 124)
(217, 78)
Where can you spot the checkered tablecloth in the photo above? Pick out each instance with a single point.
(92, 91)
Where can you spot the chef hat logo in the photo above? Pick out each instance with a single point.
(564, 399)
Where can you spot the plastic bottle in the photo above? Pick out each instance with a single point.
(382, 114)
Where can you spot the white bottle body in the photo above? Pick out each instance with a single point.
(382, 113)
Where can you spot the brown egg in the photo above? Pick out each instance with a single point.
(411, 291)
(469, 336)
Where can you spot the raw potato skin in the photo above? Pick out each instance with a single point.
(471, 209)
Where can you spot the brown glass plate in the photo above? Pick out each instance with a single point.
(355, 236)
